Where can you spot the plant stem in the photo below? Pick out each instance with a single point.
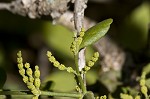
(81, 81)
(75, 95)
(47, 93)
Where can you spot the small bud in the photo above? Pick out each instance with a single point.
(74, 43)
(30, 86)
(94, 59)
(79, 40)
(86, 68)
(52, 59)
(20, 66)
(37, 72)
(96, 55)
(97, 97)
(70, 70)
(142, 82)
(90, 63)
(36, 92)
(82, 33)
(103, 97)
(27, 65)
(62, 67)
(31, 79)
(22, 72)
(144, 90)
(19, 60)
(37, 83)
(29, 72)
(78, 89)
(19, 54)
(49, 54)
(56, 63)
(25, 79)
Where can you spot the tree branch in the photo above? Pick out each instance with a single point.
(4, 6)
(80, 6)
(36, 8)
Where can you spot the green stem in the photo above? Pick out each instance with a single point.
(81, 81)
(75, 95)
(47, 93)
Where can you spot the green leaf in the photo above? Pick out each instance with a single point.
(96, 32)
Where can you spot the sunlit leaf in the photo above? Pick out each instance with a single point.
(96, 32)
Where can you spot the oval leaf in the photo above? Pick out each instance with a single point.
(96, 32)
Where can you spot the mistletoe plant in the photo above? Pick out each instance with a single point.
(32, 77)
(85, 38)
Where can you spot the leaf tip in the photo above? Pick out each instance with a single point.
(110, 20)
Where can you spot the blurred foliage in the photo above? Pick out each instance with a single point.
(62, 81)
(134, 29)
(3, 77)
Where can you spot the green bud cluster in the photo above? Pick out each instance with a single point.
(91, 62)
(33, 81)
(58, 65)
(76, 43)
(144, 89)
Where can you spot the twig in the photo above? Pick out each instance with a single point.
(48, 93)
(79, 7)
